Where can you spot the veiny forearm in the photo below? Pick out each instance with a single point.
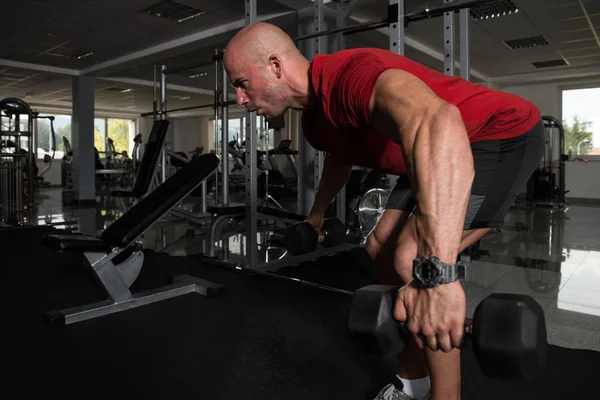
(440, 165)
(334, 176)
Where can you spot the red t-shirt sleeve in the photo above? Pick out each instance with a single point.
(351, 90)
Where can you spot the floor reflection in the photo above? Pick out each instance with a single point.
(552, 255)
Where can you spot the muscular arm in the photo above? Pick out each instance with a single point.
(334, 176)
(437, 154)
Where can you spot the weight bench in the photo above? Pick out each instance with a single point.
(124, 233)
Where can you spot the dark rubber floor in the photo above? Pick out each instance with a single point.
(262, 339)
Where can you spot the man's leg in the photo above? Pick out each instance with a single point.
(502, 168)
(393, 242)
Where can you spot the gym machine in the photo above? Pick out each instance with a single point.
(273, 181)
(115, 170)
(17, 160)
(546, 187)
(220, 102)
(47, 157)
(136, 185)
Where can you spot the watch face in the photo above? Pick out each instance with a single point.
(430, 273)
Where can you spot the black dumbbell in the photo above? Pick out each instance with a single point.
(302, 238)
(508, 331)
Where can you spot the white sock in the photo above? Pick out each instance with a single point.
(417, 389)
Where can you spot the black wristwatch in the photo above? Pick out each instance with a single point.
(429, 271)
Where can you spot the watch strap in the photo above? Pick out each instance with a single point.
(454, 272)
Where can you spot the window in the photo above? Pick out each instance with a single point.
(100, 134)
(44, 136)
(122, 132)
(581, 121)
(62, 128)
(235, 129)
(264, 136)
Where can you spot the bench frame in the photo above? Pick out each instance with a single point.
(115, 281)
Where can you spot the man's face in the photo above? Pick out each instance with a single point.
(257, 87)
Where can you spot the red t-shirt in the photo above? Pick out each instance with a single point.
(343, 83)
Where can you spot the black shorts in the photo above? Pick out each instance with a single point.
(502, 169)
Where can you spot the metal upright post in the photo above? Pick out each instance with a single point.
(306, 152)
(449, 41)
(309, 22)
(340, 199)
(216, 110)
(341, 17)
(251, 173)
(224, 136)
(465, 44)
(163, 109)
(154, 99)
(318, 21)
(397, 28)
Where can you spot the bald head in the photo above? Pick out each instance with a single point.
(257, 42)
(267, 69)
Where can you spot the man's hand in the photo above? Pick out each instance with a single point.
(435, 317)
(316, 220)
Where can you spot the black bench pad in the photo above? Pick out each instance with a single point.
(277, 213)
(75, 242)
(125, 193)
(230, 209)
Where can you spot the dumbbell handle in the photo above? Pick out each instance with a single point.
(322, 233)
(468, 329)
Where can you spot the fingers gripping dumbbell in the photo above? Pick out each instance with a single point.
(508, 331)
(302, 238)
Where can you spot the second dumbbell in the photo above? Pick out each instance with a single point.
(302, 238)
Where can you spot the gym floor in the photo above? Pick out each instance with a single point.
(273, 339)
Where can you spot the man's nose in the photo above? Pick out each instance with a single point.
(241, 98)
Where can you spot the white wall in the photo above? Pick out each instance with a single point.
(144, 126)
(191, 132)
(580, 178)
(545, 95)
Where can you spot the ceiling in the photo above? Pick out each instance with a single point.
(46, 43)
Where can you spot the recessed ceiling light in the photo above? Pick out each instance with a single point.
(173, 11)
(493, 9)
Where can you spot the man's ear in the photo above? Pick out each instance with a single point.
(276, 64)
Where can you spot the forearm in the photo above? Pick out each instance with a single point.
(440, 166)
(334, 176)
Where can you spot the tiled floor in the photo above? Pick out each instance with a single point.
(551, 255)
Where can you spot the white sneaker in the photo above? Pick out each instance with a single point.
(390, 392)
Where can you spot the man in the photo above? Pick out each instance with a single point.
(462, 151)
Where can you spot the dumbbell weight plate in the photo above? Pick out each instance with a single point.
(300, 238)
(370, 324)
(509, 336)
(336, 232)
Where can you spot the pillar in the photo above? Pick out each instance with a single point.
(82, 132)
